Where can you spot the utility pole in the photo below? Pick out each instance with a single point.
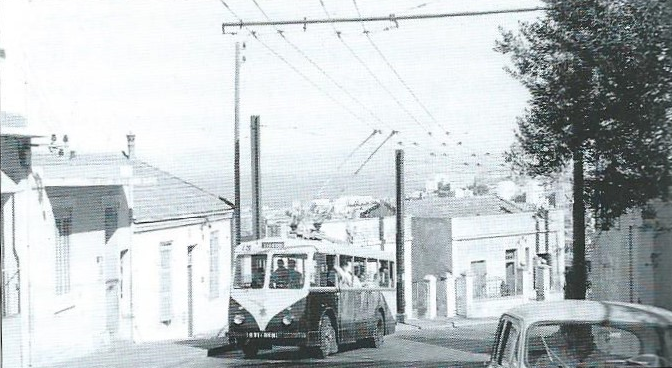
(256, 176)
(401, 304)
(236, 155)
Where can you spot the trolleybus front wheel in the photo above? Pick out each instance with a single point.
(328, 344)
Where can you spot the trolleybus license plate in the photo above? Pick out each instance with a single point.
(264, 335)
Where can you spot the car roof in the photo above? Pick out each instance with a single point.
(591, 311)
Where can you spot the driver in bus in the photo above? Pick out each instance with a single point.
(280, 276)
(295, 278)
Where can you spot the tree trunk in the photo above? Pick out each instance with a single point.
(577, 281)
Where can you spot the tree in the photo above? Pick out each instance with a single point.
(599, 73)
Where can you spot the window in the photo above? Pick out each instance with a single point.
(393, 271)
(110, 222)
(214, 264)
(165, 282)
(506, 354)
(527, 258)
(360, 269)
(288, 271)
(250, 271)
(346, 272)
(325, 274)
(384, 274)
(63, 232)
(590, 343)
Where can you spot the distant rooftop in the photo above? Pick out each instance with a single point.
(451, 207)
(157, 194)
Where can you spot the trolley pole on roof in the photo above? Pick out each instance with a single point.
(401, 305)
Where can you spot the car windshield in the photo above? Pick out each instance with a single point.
(288, 271)
(586, 344)
(250, 271)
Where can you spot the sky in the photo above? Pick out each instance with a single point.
(99, 69)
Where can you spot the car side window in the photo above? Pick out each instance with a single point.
(506, 353)
(510, 348)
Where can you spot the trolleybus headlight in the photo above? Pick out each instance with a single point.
(287, 320)
(238, 319)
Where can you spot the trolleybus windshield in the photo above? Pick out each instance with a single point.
(250, 271)
(288, 271)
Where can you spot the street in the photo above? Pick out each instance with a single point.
(460, 346)
(410, 347)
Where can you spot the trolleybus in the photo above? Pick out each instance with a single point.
(314, 294)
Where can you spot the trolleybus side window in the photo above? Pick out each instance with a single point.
(288, 271)
(250, 271)
(325, 274)
(360, 269)
(382, 275)
(392, 272)
(370, 270)
(345, 270)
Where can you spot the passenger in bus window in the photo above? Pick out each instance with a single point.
(295, 278)
(331, 271)
(347, 278)
(382, 277)
(280, 276)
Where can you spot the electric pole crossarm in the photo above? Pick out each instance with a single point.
(390, 18)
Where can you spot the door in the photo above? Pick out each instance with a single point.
(479, 270)
(348, 303)
(190, 291)
(511, 261)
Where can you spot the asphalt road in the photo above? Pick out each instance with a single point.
(466, 346)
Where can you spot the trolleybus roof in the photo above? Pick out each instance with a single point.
(293, 245)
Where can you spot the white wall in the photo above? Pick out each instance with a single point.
(624, 254)
(78, 318)
(210, 314)
(488, 237)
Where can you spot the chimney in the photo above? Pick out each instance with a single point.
(130, 139)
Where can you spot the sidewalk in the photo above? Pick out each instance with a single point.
(443, 322)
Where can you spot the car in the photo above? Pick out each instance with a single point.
(583, 333)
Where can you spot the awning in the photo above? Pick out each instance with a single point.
(7, 185)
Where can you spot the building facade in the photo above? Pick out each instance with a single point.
(497, 244)
(631, 262)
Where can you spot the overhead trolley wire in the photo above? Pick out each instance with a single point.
(283, 59)
(366, 67)
(297, 49)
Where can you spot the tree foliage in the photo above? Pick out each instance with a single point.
(599, 73)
